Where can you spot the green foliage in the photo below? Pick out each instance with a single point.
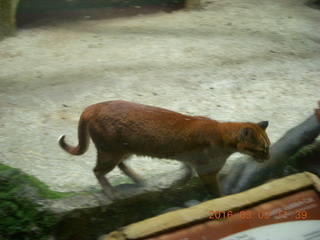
(304, 153)
(21, 217)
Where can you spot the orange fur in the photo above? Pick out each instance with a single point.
(120, 129)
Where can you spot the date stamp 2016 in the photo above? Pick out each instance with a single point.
(251, 215)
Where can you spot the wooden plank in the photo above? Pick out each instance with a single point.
(199, 213)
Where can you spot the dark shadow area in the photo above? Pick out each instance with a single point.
(314, 4)
(24, 19)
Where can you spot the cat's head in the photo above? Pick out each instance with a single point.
(253, 140)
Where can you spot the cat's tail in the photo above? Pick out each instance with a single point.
(83, 136)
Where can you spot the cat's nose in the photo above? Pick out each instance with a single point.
(266, 157)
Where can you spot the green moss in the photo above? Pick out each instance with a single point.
(4, 167)
(121, 180)
(42, 189)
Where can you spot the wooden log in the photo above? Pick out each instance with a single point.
(193, 4)
(8, 17)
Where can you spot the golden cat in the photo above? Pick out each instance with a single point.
(120, 129)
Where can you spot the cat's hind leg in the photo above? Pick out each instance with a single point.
(106, 162)
(131, 173)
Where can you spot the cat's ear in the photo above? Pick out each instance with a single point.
(263, 124)
(245, 134)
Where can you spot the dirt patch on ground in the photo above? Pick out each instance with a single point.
(232, 61)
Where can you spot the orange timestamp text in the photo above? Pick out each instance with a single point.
(250, 215)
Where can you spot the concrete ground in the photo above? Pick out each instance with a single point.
(233, 60)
